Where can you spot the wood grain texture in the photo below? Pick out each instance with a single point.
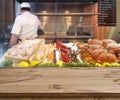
(60, 82)
(100, 32)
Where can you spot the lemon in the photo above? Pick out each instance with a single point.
(106, 64)
(59, 63)
(33, 63)
(114, 64)
(98, 65)
(23, 64)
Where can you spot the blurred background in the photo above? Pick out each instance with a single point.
(72, 19)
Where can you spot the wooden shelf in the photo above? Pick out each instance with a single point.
(64, 14)
(65, 37)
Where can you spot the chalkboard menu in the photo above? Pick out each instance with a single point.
(107, 12)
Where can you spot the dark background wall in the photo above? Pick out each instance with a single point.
(6, 11)
(6, 18)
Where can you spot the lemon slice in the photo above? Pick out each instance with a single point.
(98, 65)
(106, 64)
(33, 63)
(23, 64)
(115, 64)
(59, 63)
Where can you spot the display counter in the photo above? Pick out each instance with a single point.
(66, 38)
(72, 83)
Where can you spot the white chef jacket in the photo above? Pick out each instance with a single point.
(26, 25)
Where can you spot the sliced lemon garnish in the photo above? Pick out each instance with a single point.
(23, 64)
(98, 65)
(33, 63)
(59, 63)
(115, 64)
(106, 64)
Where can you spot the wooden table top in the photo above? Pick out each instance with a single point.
(60, 81)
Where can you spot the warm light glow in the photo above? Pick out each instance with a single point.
(45, 18)
(66, 11)
(44, 11)
(68, 20)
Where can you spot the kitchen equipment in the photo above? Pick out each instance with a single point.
(65, 18)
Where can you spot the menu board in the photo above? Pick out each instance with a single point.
(107, 12)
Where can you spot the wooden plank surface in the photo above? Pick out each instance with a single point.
(69, 82)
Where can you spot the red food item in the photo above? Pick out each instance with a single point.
(65, 58)
(63, 50)
(61, 45)
(58, 43)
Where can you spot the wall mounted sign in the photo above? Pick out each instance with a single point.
(107, 12)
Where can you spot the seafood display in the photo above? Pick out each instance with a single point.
(93, 53)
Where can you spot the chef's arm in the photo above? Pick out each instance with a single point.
(13, 40)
